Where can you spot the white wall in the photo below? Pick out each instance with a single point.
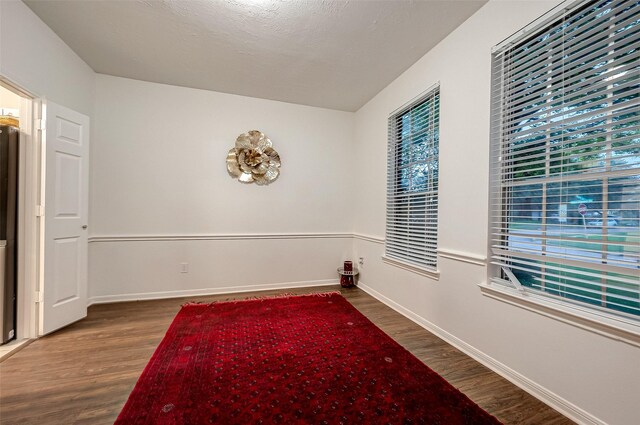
(586, 375)
(161, 197)
(158, 169)
(35, 58)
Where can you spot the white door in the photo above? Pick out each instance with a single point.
(66, 140)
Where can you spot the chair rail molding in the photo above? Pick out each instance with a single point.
(368, 238)
(465, 257)
(216, 237)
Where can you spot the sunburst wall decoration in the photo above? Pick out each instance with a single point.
(253, 159)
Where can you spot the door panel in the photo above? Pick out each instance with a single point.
(66, 208)
(68, 185)
(66, 256)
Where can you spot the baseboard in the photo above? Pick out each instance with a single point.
(102, 299)
(13, 347)
(563, 406)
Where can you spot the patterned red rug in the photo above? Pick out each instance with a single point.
(311, 359)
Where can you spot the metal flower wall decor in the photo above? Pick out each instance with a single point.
(253, 159)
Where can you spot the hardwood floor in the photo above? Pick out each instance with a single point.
(84, 373)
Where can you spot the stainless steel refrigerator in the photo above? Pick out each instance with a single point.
(9, 145)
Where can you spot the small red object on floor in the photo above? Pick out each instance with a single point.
(346, 277)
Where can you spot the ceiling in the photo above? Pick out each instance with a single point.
(330, 53)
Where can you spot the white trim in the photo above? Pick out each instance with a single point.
(27, 237)
(29, 188)
(431, 273)
(548, 397)
(368, 238)
(540, 22)
(11, 85)
(102, 299)
(466, 257)
(216, 237)
(41, 198)
(415, 99)
(13, 347)
(587, 319)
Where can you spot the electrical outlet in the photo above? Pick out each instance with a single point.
(184, 267)
(361, 261)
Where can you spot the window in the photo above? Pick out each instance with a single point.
(412, 183)
(566, 160)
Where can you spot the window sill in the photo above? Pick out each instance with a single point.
(612, 327)
(422, 271)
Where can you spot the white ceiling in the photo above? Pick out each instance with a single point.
(331, 53)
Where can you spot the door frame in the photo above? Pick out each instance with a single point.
(30, 253)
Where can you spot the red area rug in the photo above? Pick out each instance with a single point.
(311, 359)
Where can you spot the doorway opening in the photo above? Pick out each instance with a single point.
(19, 216)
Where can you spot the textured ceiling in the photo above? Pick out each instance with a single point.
(331, 53)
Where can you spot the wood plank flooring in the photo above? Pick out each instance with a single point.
(84, 373)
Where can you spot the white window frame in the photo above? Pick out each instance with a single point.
(392, 254)
(596, 320)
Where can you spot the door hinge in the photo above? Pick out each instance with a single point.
(39, 297)
(41, 124)
(40, 211)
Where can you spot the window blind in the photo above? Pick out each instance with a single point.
(565, 193)
(412, 182)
